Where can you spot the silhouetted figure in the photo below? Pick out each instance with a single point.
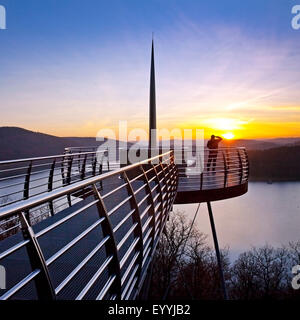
(213, 145)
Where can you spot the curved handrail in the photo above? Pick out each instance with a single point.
(5, 162)
(210, 169)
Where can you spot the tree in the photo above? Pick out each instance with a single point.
(185, 266)
(169, 254)
(260, 273)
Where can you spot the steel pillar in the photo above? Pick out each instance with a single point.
(214, 233)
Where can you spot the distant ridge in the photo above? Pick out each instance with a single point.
(16, 143)
(249, 144)
(276, 164)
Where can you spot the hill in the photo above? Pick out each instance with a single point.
(276, 164)
(17, 143)
(250, 144)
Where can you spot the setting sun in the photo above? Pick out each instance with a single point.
(228, 135)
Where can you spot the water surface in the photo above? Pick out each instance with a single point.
(268, 213)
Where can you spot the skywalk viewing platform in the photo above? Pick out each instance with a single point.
(227, 178)
(80, 227)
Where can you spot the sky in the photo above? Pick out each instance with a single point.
(73, 67)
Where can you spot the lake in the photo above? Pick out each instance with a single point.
(268, 213)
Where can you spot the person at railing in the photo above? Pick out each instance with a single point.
(213, 145)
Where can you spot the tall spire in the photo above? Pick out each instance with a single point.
(152, 103)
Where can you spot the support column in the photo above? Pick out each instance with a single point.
(214, 233)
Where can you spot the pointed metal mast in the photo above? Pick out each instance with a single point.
(152, 103)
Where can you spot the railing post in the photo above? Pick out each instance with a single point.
(182, 157)
(62, 171)
(240, 166)
(101, 170)
(43, 282)
(69, 169)
(66, 165)
(169, 183)
(27, 181)
(201, 181)
(50, 178)
(82, 175)
(111, 246)
(160, 196)
(50, 185)
(153, 214)
(247, 164)
(166, 188)
(225, 169)
(136, 219)
(68, 180)
(174, 168)
(79, 157)
(174, 183)
(26, 187)
(201, 171)
(107, 154)
(94, 165)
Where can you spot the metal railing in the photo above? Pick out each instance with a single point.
(23, 178)
(98, 248)
(213, 169)
(112, 155)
